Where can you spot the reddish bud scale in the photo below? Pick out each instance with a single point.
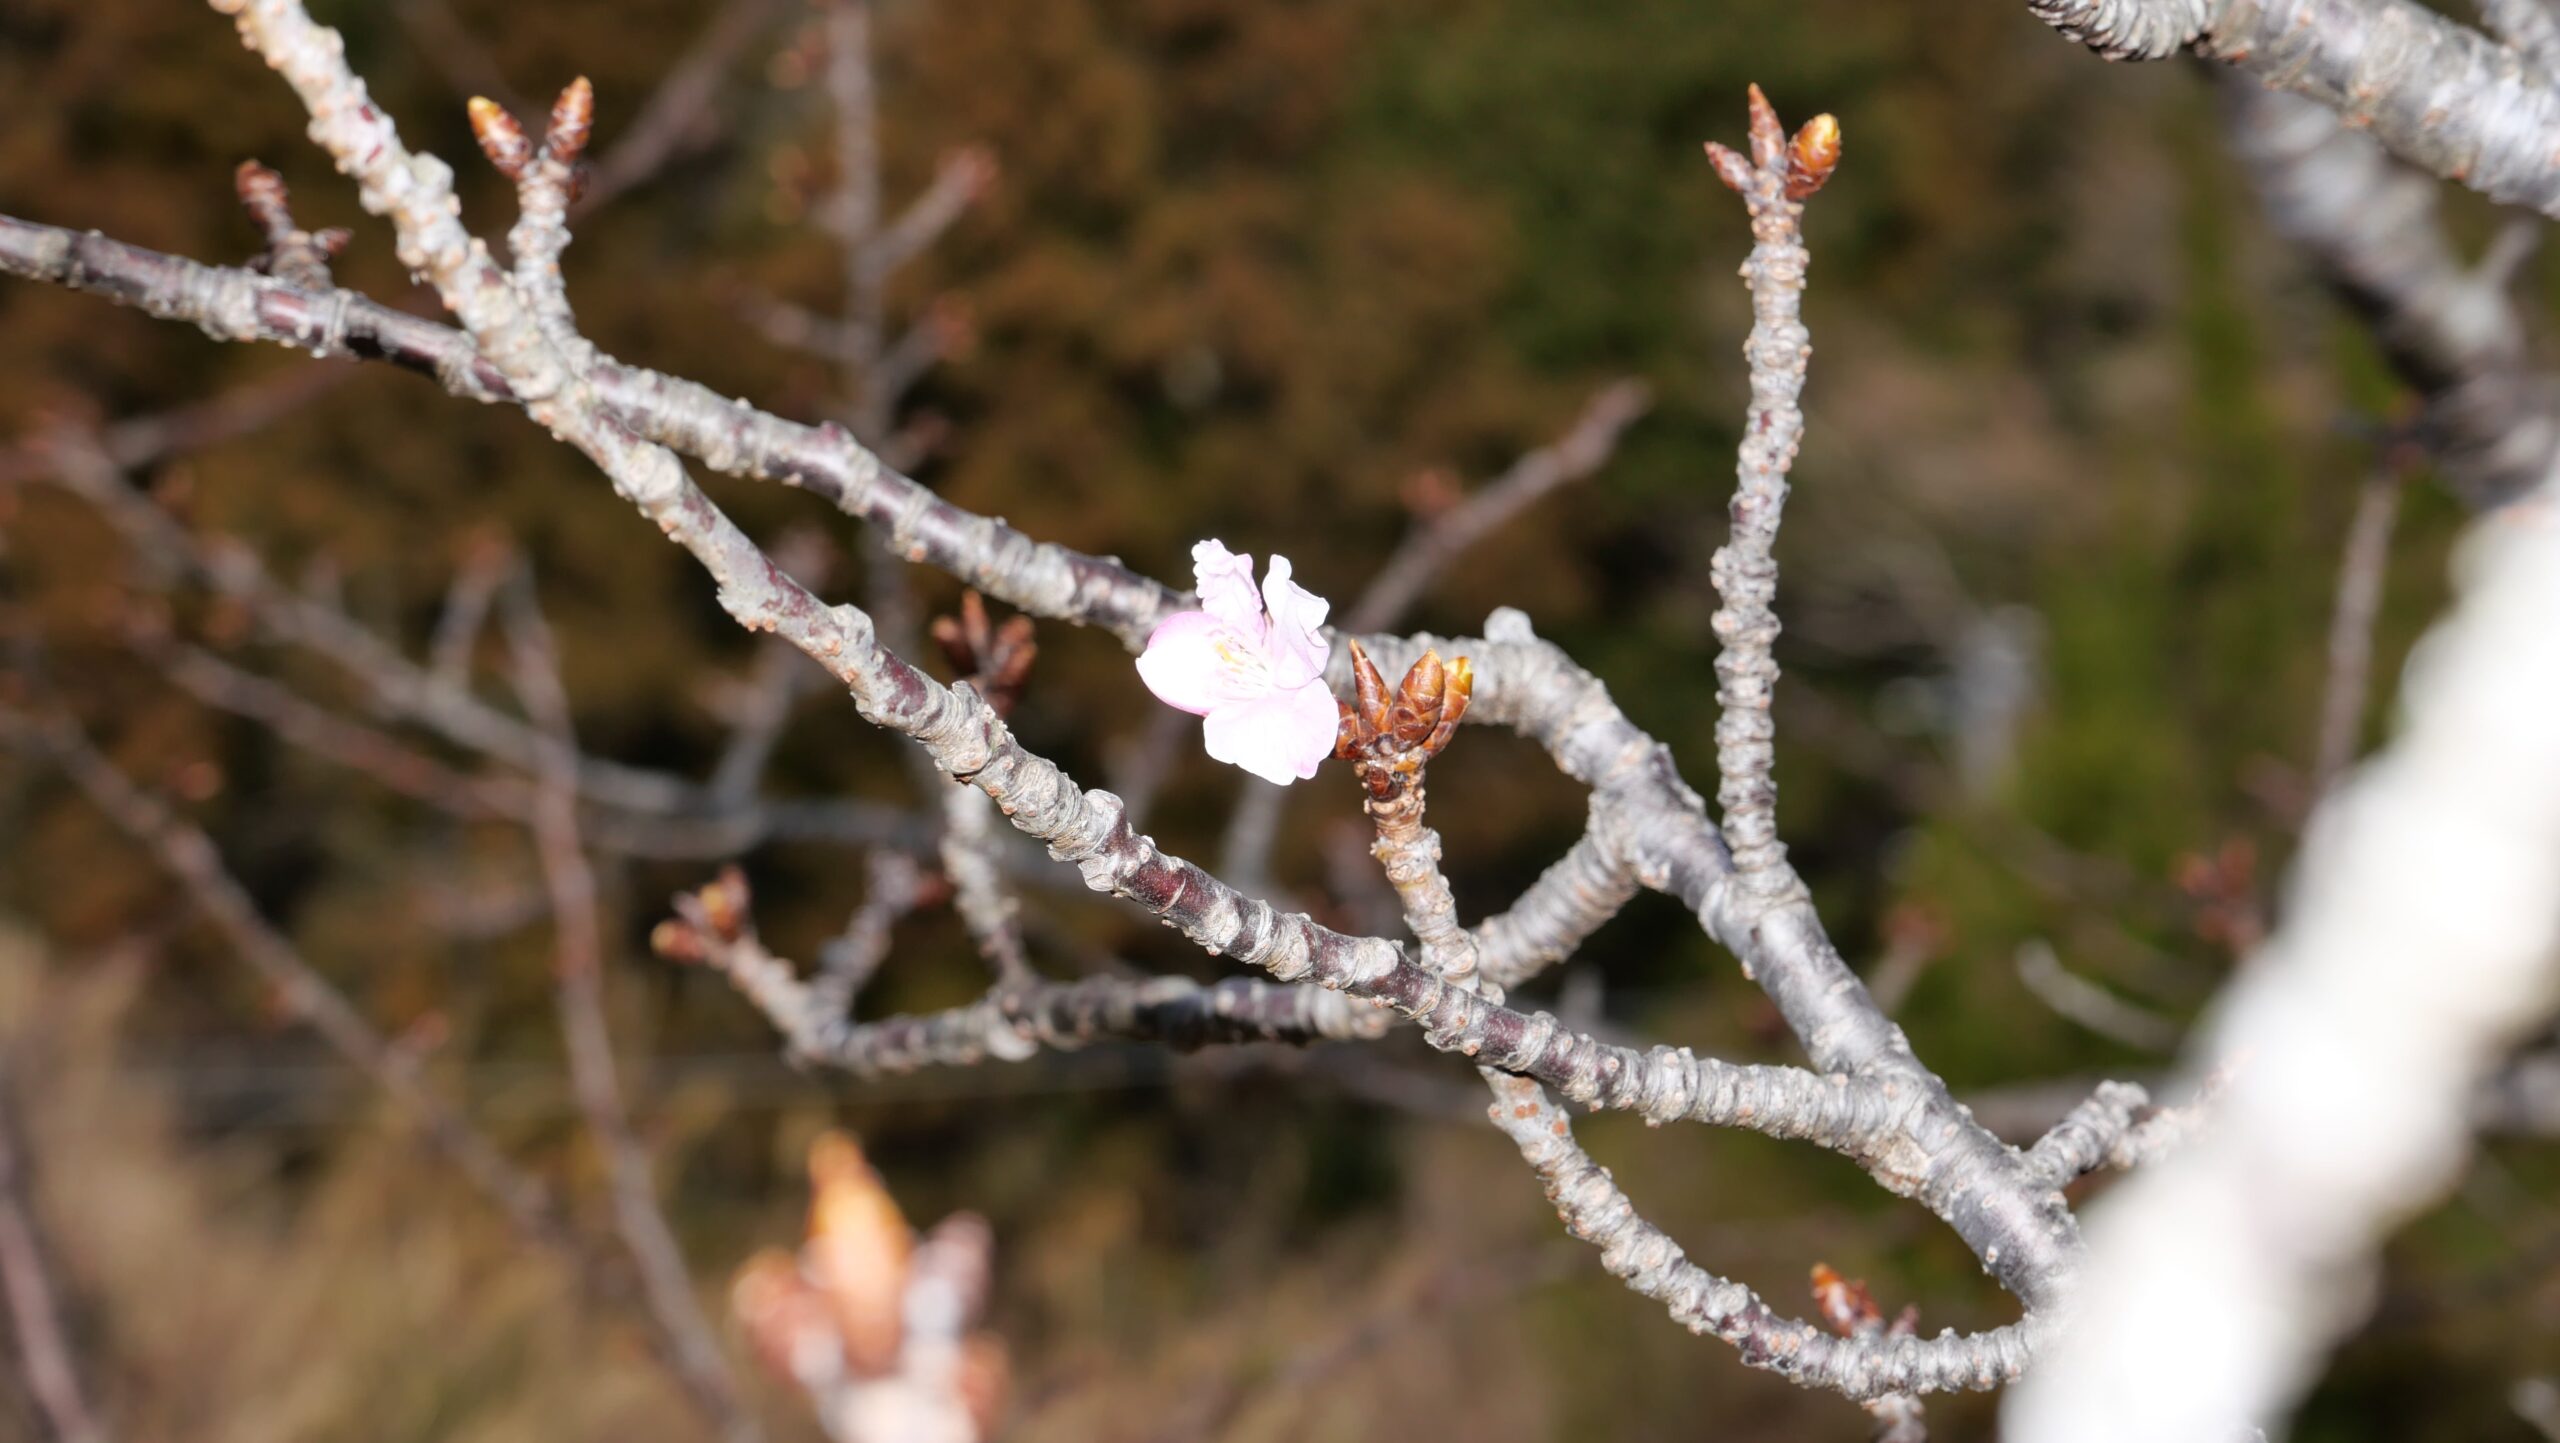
(995, 659)
(500, 137)
(573, 119)
(1389, 739)
(1731, 168)
(1845, 1303)
(263, 195)
(1813, 156)
(1768, 137)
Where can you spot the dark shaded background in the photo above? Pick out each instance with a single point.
(1247, 272)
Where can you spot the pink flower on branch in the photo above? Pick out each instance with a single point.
(1251, 665)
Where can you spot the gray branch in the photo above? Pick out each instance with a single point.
(2439, 95)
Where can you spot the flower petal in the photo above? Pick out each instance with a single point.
(1280, 737)
(1296, 644)
(1185, 666)
(1225, 583)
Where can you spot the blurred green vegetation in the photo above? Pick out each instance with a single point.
(1248, 270)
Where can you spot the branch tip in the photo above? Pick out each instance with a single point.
(501, 137)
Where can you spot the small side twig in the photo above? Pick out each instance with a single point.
(2085, 1002)
(1773, 183)
(715, 927)
(2363, 568)
(1419, 559)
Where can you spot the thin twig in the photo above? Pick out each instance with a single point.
(46, 1356)
(2085, 1002)
(1745, 568)
(2364, 566)
(1429, 550)
(679, 114)
(578, 974)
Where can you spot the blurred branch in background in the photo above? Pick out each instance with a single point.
(40, 1331)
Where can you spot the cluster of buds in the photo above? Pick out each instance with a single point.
(1801, 166)
(1390, 737)
(875, 1325)
(502, 137)
(994, 659)
(2223, 886)
(295, 256)
(718, 916)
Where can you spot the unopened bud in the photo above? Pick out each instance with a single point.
(501, 138)
(677, 942)
(1768, 137)
(1813, 156)
(1731, 168)
(573, 119)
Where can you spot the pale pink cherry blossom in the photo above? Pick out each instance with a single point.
(1251, 666)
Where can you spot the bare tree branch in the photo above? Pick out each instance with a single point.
(2437, 94)
(2364, 565)
(2450, 330)
(1420, 558)
(46, 1357)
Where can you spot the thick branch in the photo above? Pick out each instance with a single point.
(1652, 1264)
(2353, 1069)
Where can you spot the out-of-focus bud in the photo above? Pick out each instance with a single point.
(1430, 492)
(1813, 156)
(957, 1257)
(955, 326)
(786, 1321)
(1845, 1303)
(977, 169)
(986, 1377)
(677, 942)
(858, 1253)
(995, 659)
(726, 905)
(501, 138)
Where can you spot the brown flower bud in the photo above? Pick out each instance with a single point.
(1368, 689)
(263, 195)
(573, 119)
(1813, 156)
(501, 138)
(723, 908)
(781, 1314)
(986, 1376)
(677, 942)
(858, 1252)
(1845, 1303)
(1768, 137)
(1731, 168)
